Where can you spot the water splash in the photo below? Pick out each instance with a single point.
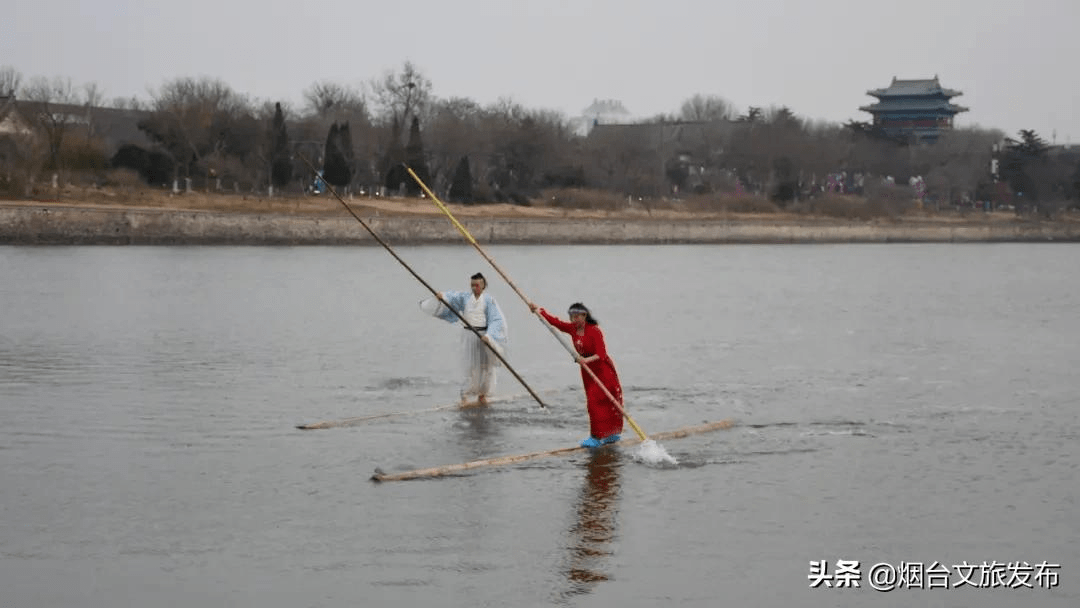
(650, 452)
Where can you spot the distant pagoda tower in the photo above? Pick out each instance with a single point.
(915, 109)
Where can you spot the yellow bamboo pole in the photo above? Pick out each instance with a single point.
(554, 332)
(505, 460)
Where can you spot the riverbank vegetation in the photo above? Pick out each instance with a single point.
(199, 136)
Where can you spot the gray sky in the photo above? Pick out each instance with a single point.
(1012, 60)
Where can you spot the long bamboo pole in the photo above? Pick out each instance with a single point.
(437, 295)
(554, 332)
(505, 460)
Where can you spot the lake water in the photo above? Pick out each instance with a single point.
(894, 404)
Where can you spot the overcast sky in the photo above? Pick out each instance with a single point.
(1015, 62)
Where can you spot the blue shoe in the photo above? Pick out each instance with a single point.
(609, 439)
(591, 442)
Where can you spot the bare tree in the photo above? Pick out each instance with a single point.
(706, 108)
(398, 96)
(126, 103)
(20, 153)
(202, 119)
(334, 101)
(452, 133)
(52, 102)
(93, 97)
(9, 81)
(956, 163)
(21, 158)
(523, 143)
(775, 152)
(93, 94)
(624, 158)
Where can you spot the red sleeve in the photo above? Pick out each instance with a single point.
(556, 322)
(599, 348)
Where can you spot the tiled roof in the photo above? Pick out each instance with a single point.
(116, 127)
(920, 105)
(913, 88)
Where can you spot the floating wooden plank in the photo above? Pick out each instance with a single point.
(503, 460)
(329, 424)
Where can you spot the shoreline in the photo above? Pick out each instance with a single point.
(57, 223)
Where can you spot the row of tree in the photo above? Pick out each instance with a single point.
(361, 139)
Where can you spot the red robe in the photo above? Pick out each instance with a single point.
(604, 418)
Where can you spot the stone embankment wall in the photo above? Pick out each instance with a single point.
(70, 225)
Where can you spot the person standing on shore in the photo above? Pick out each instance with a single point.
(482, 312)
(605, 419)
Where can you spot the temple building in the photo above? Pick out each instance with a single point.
(916, 109)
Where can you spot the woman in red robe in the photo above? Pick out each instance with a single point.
(605, 419)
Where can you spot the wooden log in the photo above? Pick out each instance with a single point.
(328, 424)
(504, 460)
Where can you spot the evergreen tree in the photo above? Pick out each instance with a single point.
(874, 132)
(414, 157)
(394, 161)
(753, 115)
(783, 116)
(331, 160)
(346, 146)
(281, 164)
(156, 167)
(1022, 163)
(337, 163)
(461, 188)
(1030, 144)
(787, 184)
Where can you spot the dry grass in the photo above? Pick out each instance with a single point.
(582, 198)
(123, 190)
(119, 190)
(731, 204)
(839, 206)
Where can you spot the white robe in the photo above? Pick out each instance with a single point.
(478, 362)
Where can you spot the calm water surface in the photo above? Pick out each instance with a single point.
(894, 403)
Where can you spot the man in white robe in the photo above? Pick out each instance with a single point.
(482, 312)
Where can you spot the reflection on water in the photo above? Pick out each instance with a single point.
(478, 430)
(893, 403)
(594, 527)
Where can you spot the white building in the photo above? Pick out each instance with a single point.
(602, 112)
